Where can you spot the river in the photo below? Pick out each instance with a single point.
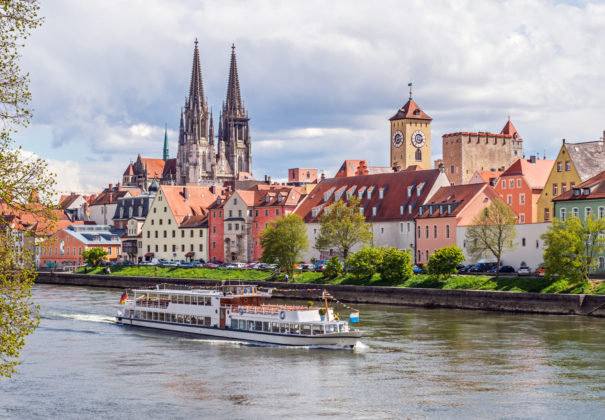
(414, 363)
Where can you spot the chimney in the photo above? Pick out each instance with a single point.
(323, 176)
(213, 189)
(563, 141)
(110, 187)
(441, 167)
(185, 192)
(118, 186)
(532, 159)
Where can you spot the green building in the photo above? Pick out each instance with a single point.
(582, 200)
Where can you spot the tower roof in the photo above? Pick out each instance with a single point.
(234, 100)
(196, 88)
(510, 130)
(410, 111)
(166, 155)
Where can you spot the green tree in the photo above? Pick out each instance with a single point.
(342, 226)
(572, 247)
(25, 189)
(333, 268)
(492, 232)
(364, 263)
(442, 264)
(396, 266)
(284, 241)
(94, 256)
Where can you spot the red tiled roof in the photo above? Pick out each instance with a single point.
(169, 169)
(535, 174)
(395, 186)
(129, 170)
(188, 201)
(487, 175)
(108, 197)
(200, 220)
(510, 130)
(457, 196)
(410, 111)
(596, 184)
(155, 167)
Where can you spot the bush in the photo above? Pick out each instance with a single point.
(396, 266)
(442, 264)
(364, 263)
(333, 268)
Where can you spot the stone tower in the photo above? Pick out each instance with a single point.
(195, 153)
(234, 129)
(410, 137)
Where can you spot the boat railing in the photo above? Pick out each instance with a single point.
(267, 309)
(163, 303)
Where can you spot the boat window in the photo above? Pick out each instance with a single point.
(306, 329)
(173, 299)
(179, 299)
(331, 328)
(164, 297)
(193, 320)
(284, 328)
(294, 329)
(266, 326)
(187, 300)
(207, 301)
(258, 325)
(242, 324)
(340, 327)
(318, 329)
(179, 318)
(275, 327)
(187, 319)
(207, 320)
(234, 324)
(251, 325)
(155, 316)
(137, 314)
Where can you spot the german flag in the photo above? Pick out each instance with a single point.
(123, 298)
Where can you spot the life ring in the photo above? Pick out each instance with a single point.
(282, 314)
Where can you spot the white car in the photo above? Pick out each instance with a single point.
(524, 270)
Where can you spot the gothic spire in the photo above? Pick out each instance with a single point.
(234, 100)
(196, 89)
(166, 154)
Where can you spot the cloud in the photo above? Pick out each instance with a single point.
(319, 80)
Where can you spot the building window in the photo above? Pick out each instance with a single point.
(174, 233)
(547, 215)
(213, 229)
(191, 247)
(229, 227)
(511, 184)
(419, 255)
(563, 187)
(503, 184)
(165, 248)
(427, 231)
(418, 236)
(567, 165)
(255, 213)
(161, 221)
(237, 226)
(277, 212)
(521, 218)
(509, 199)
(182, 233)
(408, 226)
(156, 233)
(601, 211)
(519, 183)
(555, 190)
(156, 248)
(522, 198)
(559, 166)
(401, 227)
(152, 221)
(173, 248)
(435, 231)
(201, 233)
(418, 155)
(148, 248)
(587, 211)
(447, 231)
(201, 247)
(213, 245)
(563, 212)
(165, 234)
(575, 212)
(182, 247)
(266, 213)
(239, 213)
(381, 230)
(230, 213)
(191, 233)
(220, 213)
(148, 234)
(522, 241)
(214, 214)
(452, 169)
(427, 255)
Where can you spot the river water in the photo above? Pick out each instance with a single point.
(415, 363)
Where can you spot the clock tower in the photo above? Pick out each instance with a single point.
(410, 137)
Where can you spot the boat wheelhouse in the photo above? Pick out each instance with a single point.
(235, 312)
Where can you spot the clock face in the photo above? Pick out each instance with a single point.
(418, 139)
(397, 138)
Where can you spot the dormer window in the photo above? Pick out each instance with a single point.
(576, 192)
(267, 199)
(410, 188)
(400, 210)
(586, 191)
(410, 208)
(373, 211)
(419, 189)
(420, 210)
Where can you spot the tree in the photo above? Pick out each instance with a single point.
(333, 268)
(444, 262)
(364, 263)
(396, 266)
(25, 189)
(572, 247)
(492, 232)
(284, 241)
(342, 226)
(94, 256)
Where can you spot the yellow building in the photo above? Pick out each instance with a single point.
(575, 163)
(410, 137)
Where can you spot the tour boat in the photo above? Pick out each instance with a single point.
(236, 312)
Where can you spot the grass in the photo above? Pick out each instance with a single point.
(509, 284)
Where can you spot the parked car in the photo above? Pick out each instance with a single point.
(416, 269)
(524, 270)
(184, 264)
(170, 264)
(540, 271)
(211, 265)
(503, 269)
(197, 263)
(481, 267)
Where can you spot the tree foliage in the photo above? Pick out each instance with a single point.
(284, 241)
(395, 266)
(342, 226)
(492, 232)
(333, 268)
(572, 247)
(26, 186)
(364, 263)
(94, 256)
(443, 262)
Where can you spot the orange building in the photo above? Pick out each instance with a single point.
(521, 184)
(449, 208)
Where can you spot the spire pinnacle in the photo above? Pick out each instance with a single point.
(234, 100)
(166, 154)
(196, 88)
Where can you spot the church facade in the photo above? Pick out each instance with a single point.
(200, 160)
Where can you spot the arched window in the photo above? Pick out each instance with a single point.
(418, 155)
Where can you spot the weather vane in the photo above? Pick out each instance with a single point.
(410, 85)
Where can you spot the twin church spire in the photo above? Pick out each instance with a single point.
(197, 159)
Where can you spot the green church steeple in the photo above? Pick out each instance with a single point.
(166, 154)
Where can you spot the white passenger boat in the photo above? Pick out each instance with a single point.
(235, 312)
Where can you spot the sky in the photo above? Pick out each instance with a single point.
(319, 79)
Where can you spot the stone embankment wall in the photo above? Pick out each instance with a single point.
(538, 303)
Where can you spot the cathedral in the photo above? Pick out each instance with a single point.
(198, 161)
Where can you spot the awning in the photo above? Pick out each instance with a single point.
(149, 254)
(190, 254)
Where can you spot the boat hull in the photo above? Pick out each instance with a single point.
(345, 340)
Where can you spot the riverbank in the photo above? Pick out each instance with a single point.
(538, 303)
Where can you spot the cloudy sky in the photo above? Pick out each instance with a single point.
(320, 79)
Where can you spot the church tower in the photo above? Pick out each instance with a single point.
(410, 137)
(196, 143)
(234, 129)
